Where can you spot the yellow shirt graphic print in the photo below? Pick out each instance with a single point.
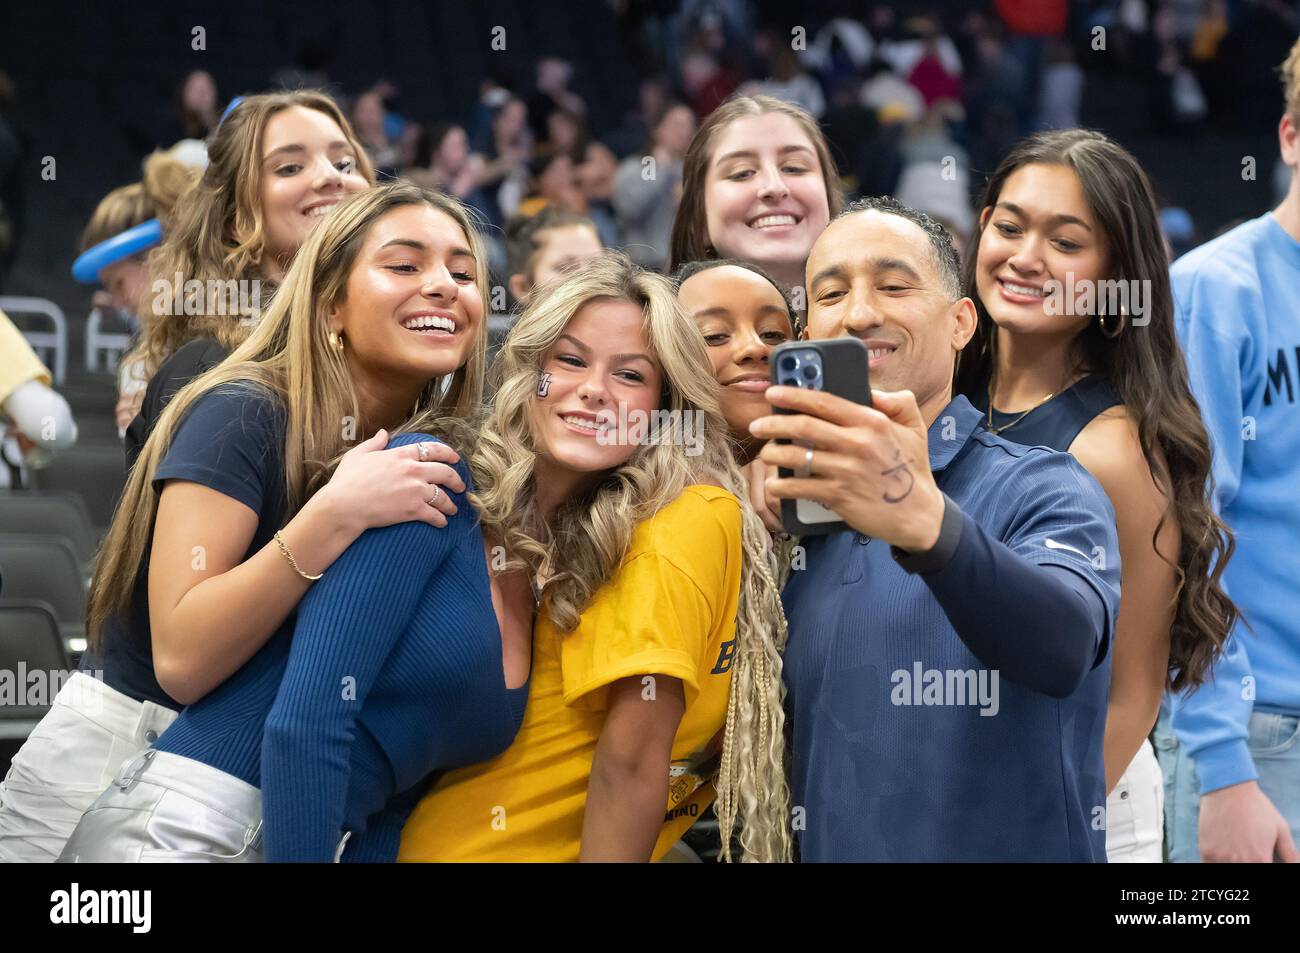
(669, 610)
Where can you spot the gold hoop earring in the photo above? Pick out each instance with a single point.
(336, 341)
(1111, 335)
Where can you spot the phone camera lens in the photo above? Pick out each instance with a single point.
(810, 372)
(789, 362)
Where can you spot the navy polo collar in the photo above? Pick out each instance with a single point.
(950, 431)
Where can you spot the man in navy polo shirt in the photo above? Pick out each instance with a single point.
(948, 663)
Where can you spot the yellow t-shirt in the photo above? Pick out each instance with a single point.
(670, 610)
(18, 362)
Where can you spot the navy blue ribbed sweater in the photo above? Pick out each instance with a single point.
(393, 674)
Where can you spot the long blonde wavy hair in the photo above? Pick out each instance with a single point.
(589, 535)
(288, 357)
(217, 231)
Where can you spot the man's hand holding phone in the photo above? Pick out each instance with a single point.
(765, 505)
(871, 465)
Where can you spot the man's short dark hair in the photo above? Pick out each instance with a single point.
(945, 254)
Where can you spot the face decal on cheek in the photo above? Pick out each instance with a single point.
(599, 374)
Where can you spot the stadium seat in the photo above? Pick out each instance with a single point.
(33, 316)
(107, 339)
(45, 568)
(61, 515)
(90, 394)
(30, 641)
(96, 473)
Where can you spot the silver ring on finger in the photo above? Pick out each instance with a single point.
(423, 450)
(805, 469)
(437, 492)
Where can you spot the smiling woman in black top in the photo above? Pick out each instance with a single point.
(1067, 218)
(274, 159)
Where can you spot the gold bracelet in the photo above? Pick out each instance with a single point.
(279, 540)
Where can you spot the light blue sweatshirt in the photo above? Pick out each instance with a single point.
(1237, 302)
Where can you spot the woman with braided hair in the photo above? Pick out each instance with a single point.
(742, 314)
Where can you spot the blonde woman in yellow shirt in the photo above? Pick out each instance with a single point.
(655, 645)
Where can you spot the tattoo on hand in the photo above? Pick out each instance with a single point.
(901, 474)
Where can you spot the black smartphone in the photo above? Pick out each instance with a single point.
(838, 366)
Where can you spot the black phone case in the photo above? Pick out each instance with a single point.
(845, 373)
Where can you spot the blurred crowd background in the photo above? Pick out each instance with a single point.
(515, 106)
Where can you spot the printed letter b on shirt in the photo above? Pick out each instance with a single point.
(670, 606)
(725, 656)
